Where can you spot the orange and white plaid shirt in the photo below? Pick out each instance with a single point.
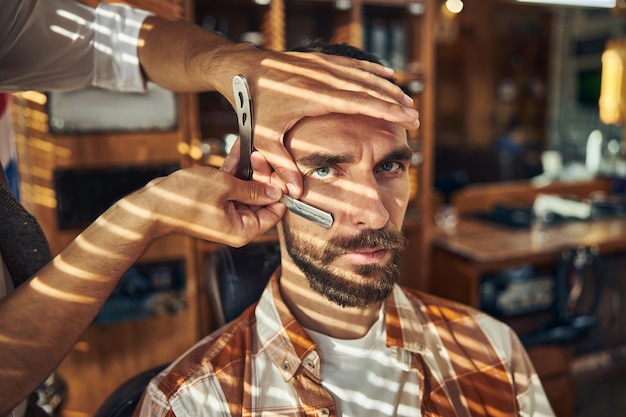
(264, 363)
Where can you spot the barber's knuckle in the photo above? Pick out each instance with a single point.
(255, 192)
(361, 97)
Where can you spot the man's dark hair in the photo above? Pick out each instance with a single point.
(340, 49)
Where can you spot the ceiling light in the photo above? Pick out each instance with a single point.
(343, 4)
(454, 6)
(579, 3)
(416, 8)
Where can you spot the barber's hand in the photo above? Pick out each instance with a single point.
(209, 204)
(287, 86)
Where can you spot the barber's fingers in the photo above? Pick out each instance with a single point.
(283, 170)
(232, 159)
(254, 192)
(367, 104)
(261, 167)
(254, 203)
(210, 204)
(355, 75)
(252, 221)
(380, 71)
(264, 172)
(252, 209)
(346, 85)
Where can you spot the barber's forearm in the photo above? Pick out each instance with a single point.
(183, 57)
(44, 318)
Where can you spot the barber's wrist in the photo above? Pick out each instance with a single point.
(226, 60)
(134, 219)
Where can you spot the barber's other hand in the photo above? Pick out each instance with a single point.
(288, 86)
(209, 204)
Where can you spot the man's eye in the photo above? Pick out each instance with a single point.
(390, 166)
(322, 172)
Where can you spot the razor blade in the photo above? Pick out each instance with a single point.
(307, 211)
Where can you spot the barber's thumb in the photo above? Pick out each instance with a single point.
(273, 191)
(259, 193)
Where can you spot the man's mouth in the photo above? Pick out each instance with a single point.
(369, 247)
(365, 256)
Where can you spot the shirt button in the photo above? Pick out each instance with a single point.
(323, 412)
(285, 366)
(309, 364)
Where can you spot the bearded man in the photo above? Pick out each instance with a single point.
(333, 333)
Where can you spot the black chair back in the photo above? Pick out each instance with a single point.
(574, 318)
(123, 401)
(236, 277)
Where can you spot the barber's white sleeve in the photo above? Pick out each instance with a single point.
(66, 45)
(115, 42)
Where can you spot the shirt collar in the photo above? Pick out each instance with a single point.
(285, 341)
(288, 345)
(405, 328)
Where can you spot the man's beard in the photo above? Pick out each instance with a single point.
(376, 280)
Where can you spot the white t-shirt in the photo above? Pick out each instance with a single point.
(64, 45)
(364, 378)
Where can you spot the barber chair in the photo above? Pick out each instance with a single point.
(581, 282)
(236, 277)
(575, 313)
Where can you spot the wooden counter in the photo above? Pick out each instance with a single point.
(475, 247)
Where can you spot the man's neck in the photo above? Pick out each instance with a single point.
(315, 312)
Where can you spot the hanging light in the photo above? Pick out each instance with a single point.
(612, 101)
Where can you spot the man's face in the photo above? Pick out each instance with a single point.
(355, 167)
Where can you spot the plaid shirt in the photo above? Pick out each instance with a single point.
(264, 363)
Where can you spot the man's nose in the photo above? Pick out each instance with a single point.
(366, 207)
